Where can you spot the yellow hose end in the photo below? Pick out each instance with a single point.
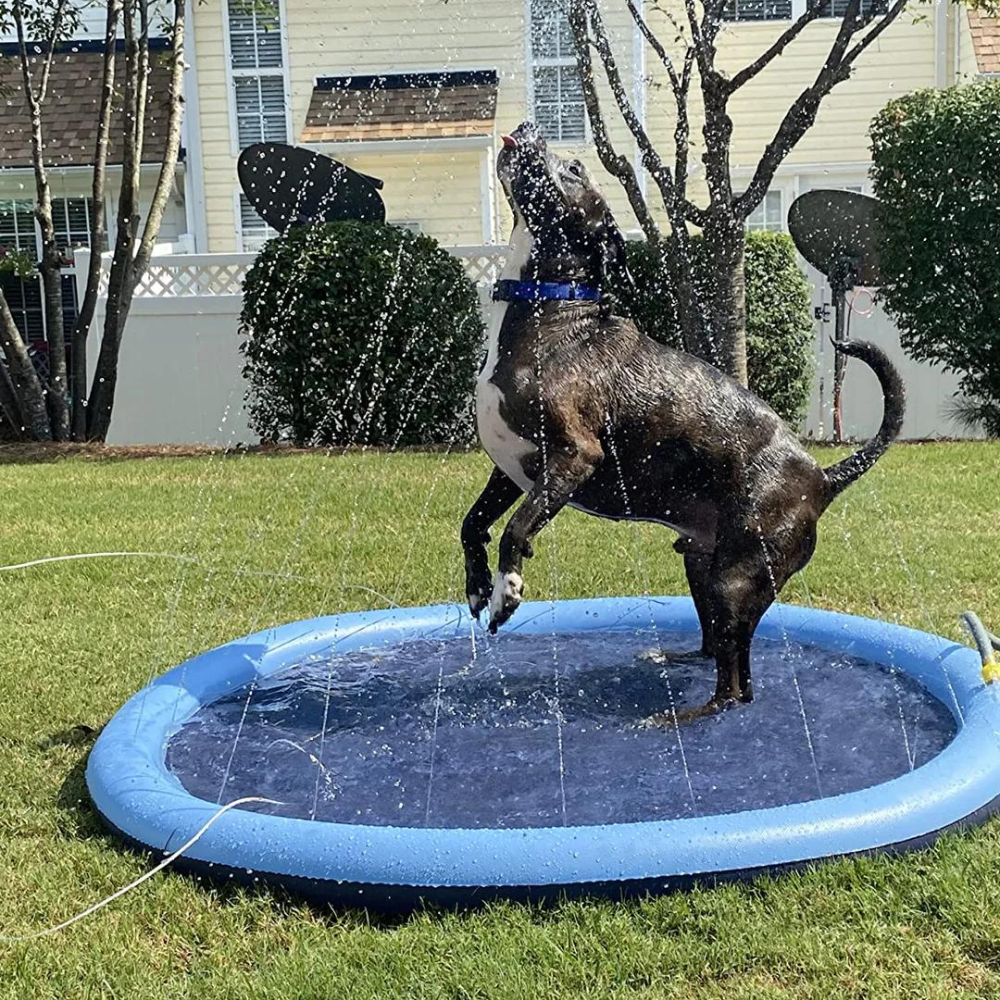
(991, 670)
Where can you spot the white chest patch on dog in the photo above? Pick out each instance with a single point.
(504, 445)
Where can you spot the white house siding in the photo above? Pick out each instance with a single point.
(439, 192)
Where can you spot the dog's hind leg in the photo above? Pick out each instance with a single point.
(698, 567)
(567, 469)
(498, 496)
(741, 588)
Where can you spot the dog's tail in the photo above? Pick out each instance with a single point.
(841, 475)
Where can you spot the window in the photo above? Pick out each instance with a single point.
(759, 10)
(17, 225)
(71, 217)
(838, 8)
(558, 95)
(254, 231)
(24, 297)
(257, 67)
(768, 215)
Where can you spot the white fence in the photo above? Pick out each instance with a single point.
(180, 378)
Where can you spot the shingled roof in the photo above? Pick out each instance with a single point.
(71, 106)
(985, 41)
(402, 106)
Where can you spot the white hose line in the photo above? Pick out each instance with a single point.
(21, 939)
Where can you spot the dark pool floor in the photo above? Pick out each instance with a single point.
(542, 730)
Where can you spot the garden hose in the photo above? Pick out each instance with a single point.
(988, 645)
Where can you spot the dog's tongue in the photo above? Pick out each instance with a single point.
(509, 141)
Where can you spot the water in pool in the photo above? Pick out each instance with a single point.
(542, 730)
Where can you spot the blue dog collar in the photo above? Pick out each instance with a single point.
(507, 290)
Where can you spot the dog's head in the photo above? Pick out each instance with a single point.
(575, 235)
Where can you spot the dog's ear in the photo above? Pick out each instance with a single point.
(614, 255)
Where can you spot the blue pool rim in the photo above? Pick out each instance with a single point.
(394, 869)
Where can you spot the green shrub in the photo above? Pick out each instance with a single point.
(936, 172)
(780, 359)
(359, 334)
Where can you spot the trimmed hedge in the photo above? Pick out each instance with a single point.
(357, 333)
(936, 172)
(780, 359)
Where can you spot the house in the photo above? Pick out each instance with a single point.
(69, 115)
(418, 93)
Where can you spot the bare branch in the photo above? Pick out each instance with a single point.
(800, 116)
(43, 86)
(650, 157)
(49, 267)
(168, 167)
(142, 83)
(891, 15)
(785, 39)
(655, 44)
(704, 56)
(98, 229)
(682, 133)
(23, 376)
(616, 165)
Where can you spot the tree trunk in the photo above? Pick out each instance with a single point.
(102, 391)
(23, 378)
(50, 266)
(724, 293)
(10, 408)
(50, 270)
(98, 229)
(129, 265)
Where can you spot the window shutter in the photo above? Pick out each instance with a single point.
(558, 94)
(758, 10)
(254, 231)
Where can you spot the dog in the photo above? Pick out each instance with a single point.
(576, 407)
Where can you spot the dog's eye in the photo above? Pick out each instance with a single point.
(575, 167)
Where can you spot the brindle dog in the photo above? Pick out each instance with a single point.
(576, 406)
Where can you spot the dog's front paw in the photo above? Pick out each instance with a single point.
(507, 591)
(478, 590)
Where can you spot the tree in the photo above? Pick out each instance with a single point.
(936, 169)
(713, 302)
(44, 410)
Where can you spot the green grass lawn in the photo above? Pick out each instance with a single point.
(279, 538)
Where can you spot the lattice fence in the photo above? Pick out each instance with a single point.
(189, 275)
(183, 276)
(482, 264)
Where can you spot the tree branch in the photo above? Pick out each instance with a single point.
(43, 86)
(802, 114)
(134, 262)
(650, 157)
(785, 39)
(616, 165)
(682, 134)
(655, 44)
(27, 385)
(50, 265)
(863, 44)
(168, 168)
(98, 228)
